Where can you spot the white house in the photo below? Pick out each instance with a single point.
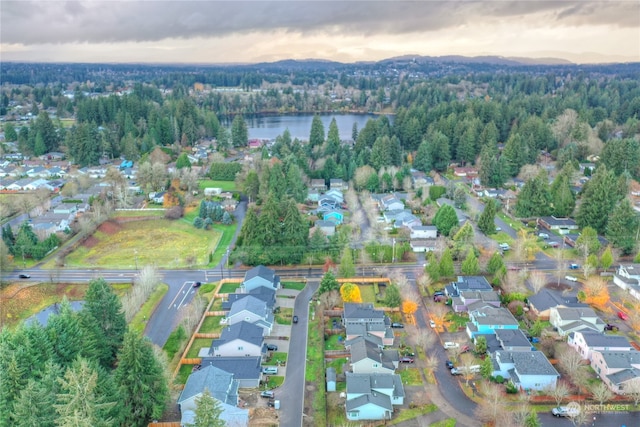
(424, 232)
(242, 339)
(569, 319)
(527, 370)
(586, 342)
(369, 358)
(372, 396)
(627, 277)
(617, 369)
(260, 276)
(253, 310)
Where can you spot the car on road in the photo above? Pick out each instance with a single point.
(455, 371)
(448, 364)
(24, 276)
(438, 293)
(270, 370)
(267, 393)
(450, 344)
(504, 246)
(432, 324)
(622, 315)
(406, 359)
(272, 347)
(295, 319)
(571, 278)
(554, 244)
(498, 229)
(574, 266)
(397, 325)
(544, 236)
(564, 411)
(196, 284)
(610, 327)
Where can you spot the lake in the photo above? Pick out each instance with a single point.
(299, 125)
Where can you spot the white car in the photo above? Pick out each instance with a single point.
(432, 324)
(571, 278)
(450, 344)
(543, 236)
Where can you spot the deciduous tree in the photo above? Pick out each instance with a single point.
(350, 293)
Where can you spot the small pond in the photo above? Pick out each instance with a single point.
(42, 317)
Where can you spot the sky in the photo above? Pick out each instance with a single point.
(215, 32)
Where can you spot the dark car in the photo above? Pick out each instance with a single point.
(271, 403)
(24, 276)
(267, 393)
(438, 294)
(295, 319)
(196, 284)
(610, 327)
(397, 325)
(406, 359)
(574, 266)
(449, 364)
(272, 347)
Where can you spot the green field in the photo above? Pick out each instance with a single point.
(170, 244)
(225, 185)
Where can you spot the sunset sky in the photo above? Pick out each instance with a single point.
(347, 30)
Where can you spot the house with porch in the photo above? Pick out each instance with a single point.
(586, 342)
(468, 283)
(246, 370)
(372, 396)
(619, 370)
(262, 293)
(370, 358)
(334, 215)
(242, 339)
(363, 320)
(568, 320)
(513, 340)
(546, 299)
(252, 310)
(627, 277)
(530, 370)
(260, 276)
(561, 225)
(486, 319)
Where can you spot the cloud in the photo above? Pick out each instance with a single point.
(58, 22)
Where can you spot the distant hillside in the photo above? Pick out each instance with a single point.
(495, 60)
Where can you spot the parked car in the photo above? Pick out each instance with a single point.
(571, 278)
(24, 276)
(196, 284)
(498, 229)
(272, 347)
(270, 370)
(448, 364)
(438, 293)
(432, 324)
(574, 266)
(439, 298)
(267, 393)
(295, 319)
(622, 315)
(271, 403)
(504, 246)
(450, 344)
(455, 371)
(610, 327)
(397, 325)
(564, 411)
(544, 236)
(464, 349)
(406, 359)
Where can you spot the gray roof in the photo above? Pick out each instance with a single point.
(263, 272)
(624, 376)
(472, 283)
(263, 293)
(362, 311)
(323, 223)
(621, 359)
(512, 338)
(595, 339)
(546, 299)
(482, 296)
(527, 362)
(490, 315)
(576, 313)
(251, 304)
(241, 368)
(369, 383)
(220, 384)
(362, 349)
(331, 374)
(245, 331)
(561, 222)
(377, 399)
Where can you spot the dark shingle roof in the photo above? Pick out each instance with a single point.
(220, 383)
(362, 311)
(595, 339)
(512, 338)
(546, 299)
(527, 362)
(242, 330)
(241, 368)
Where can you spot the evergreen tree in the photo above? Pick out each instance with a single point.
(598, 200)
(433, 267)
(446, 264)
(140, 377)
(606, 259)
(445, 219)
(622, 227)
(208, 411)
(66, 335)
(496, 264)
(422, 162)
(316, 137)
(392, 297)
(296, 187)
(333, 139)
(239, 132)
(486, 222)
(328, 283)
(10, 134)
(587, 243)
(346, 268)
(183, 161)
(562, 196)
(470, 266)
(226, 218)
(440, 151)
(105, 310)
(533, 199)
(33, 407)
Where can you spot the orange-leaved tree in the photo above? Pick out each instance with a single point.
(596, 292)
(409, 307)
(350, 293)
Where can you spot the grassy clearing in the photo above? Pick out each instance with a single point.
(228, 288)
(183, 374)
(298, 286)
(226, 234)
(450, 422)
(277, 358)
(274, 381)
(284, 316)
(335, 342)
(210, 183)
(211, 324)
(411, 413)
(175, 342)
(367, 293)
(315, 352)
(197, 344)
(139, 321)
(337, 364)
(141, 213)
(410, 376)
(172, 244)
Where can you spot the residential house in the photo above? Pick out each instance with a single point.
(529, 370)
(401, 218)
(327, 227)
(390, 202)
(252, 310)
(466, 299)
(318, 185)
(372, 396)
(222, 387)
(158, 197)
(568, 320)
(313, 195)
(513, 340)
(423, 245)
(420, 179)
(486, 319)
(246, 370)
(570, 240)
(242, 339)
(335, 195)
(327, 203)
(627, 277)
(561, 225)
(617, 369)
(337, 184)
(261, 292)
(362, 320)
(546, 299)
(467, 172)
(586, 342)
(369, 358)
(334, 215)
(38, 172)
(20, 185)
(260, 276)
(468, 283)
(424, 232)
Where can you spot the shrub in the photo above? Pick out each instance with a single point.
(174, 212)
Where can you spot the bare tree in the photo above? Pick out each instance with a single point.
(432, 363)
(561, 266)
(425, 338)
(492, 405)
(438, 313)
(466, 362)
(601, 393)
(579, 419)
(570, 361)
(537, 280)
(633, 391)
(191, 313)
(559, 392)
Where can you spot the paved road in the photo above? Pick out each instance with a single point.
(291, 393)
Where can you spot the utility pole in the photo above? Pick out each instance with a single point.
(393, 256)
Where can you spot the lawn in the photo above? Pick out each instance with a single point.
(228, 288)
(183, 374)
(367, 293)
(410, 376)
(276, 358)
(335, 342)
(211, 324)
(298, 286)
(209, 183)
(175, 342)
(197, 344)
(159, 212)
(411, 413)
(171, 244)
(139, 321)
(284, 316)
(274, 381)
(337, 364)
